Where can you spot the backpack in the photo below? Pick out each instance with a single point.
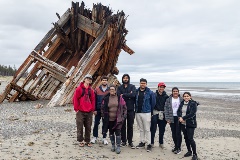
(83, 92)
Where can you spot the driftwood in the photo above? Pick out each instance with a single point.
(81, 42)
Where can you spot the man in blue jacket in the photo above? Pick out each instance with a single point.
(128, 92)
(145, 102)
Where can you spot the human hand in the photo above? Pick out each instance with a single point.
(95, 113)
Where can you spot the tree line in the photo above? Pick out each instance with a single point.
(7, 70)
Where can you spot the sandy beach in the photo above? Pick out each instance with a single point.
(50, 133)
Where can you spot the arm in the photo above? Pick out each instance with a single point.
(132, 93)
(76, 98)
(93, 102)
(166, 110)
(193, 110)
(119, 92)
(153, 102)
(95, 93)
(179, 111)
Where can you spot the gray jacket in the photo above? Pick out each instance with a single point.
(168, 111)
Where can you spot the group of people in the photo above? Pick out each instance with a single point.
(117, 107)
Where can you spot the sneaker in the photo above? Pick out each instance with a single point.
(194, 157)
(178, 151)
(152, 145)
(105, 141)
(140, 145)
(94, 139)
(131, 145)
(174, 149)
(123, 144)
(149, 148)
(188, 154)
(162, 146)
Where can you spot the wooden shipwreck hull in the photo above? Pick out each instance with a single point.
(81, 42)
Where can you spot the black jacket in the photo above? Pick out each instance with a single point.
(128, 94)
(190, 116)
(160, 100)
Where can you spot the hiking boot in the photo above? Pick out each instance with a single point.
(105, 141)
(118, 141)
(188, 154)
(131, 145)
(112, 138)
(140, 145)
(94, 139)
(123, 144)
(174, 149)
(162, 146)
(149, 148)
(178, 151)
(194, 157)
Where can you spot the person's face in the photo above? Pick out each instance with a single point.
(186, 97)
(112, 91)
(143, 85)
(88, 80)
(161, 89)
(104, 82)
(125, 79)
(175, 93)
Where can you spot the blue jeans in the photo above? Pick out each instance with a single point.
(161, 125)
(96, 123)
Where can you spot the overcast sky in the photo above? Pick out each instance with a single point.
(173, 40)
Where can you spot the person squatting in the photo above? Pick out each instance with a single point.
(117, 107)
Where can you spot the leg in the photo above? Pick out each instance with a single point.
(123, 132)
(87, 125)
(140, 127)
(161, 125)
(146, 124)
(190, 133)
(130, 121)
(183, 128)
(96, 124)
(178, 133)
(79, 122)
(112, 136)
(118, 140)
(153, 127)
(173, 129)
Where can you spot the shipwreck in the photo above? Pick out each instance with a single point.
(81, 42)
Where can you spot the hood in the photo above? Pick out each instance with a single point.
(127, 76)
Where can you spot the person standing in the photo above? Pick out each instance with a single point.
(84, 105)
(100, 92)
(128, 92)
(187, 117)
(145, 102)
(170, 111)
(114, 111)
(158, 117)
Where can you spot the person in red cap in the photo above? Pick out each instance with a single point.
(158, 117)
(84, 105)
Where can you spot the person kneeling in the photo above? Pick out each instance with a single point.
(114, 111)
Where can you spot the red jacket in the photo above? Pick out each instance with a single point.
(83, 103)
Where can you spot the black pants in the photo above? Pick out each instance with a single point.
(188, 136)
(112, 131)
(161, 125)
(96, 124)
(176, 133)
(130, 121)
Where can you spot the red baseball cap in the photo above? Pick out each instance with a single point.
(161, 84)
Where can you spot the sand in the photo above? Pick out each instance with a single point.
(50, 133)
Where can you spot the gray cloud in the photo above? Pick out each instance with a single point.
(171, 38)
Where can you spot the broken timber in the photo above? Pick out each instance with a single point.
(81, 42)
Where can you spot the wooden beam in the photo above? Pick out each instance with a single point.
(127, 49)
(90, 27)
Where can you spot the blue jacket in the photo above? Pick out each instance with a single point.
(149, 101)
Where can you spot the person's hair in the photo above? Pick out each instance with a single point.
(175, 88)
(143, 80)
(114, 86)
(104, 77)
(188, 93)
